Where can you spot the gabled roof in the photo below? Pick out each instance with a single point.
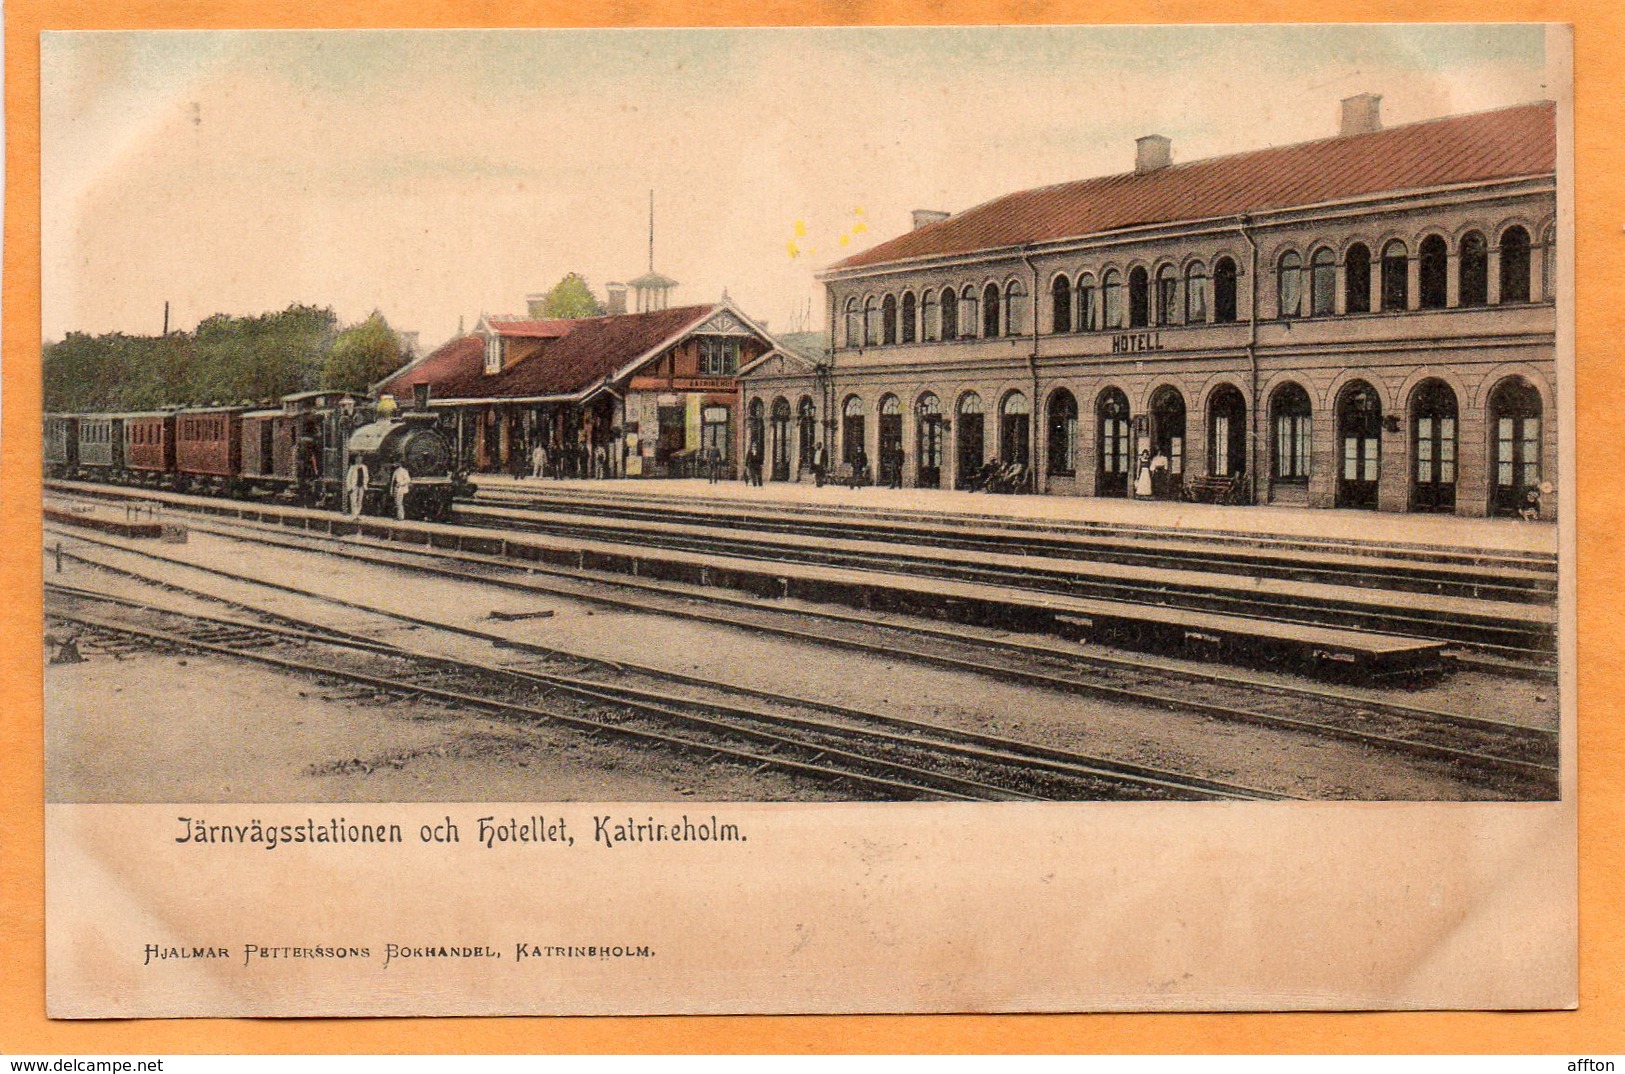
(565, 365)
(1508, 143)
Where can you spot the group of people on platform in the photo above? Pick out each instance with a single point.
(570, 461)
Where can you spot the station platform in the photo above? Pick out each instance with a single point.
(1494, 535)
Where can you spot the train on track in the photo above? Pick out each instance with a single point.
(303, 451)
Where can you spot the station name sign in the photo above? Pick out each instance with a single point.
(683, 384)
(1136, 342)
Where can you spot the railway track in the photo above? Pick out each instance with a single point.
(1508, 628)
(1491, 750)
(885, 756)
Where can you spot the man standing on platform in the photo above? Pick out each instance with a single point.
(355, 488)
(820, 463)
(400, 486)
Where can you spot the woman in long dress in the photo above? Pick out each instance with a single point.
(1142, 478)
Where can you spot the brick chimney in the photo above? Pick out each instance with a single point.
(922, 217)
(1362, 114)
(1152, 152)
(615, 304)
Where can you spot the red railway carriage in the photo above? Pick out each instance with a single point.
(208, 443)
(149, 442)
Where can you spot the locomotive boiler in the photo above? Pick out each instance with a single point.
(405, 440)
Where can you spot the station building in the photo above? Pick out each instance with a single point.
(628, 394)
(1363, 321)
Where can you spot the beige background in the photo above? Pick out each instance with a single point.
(1511, 868)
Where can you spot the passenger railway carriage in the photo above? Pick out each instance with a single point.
(298, 452)
(1367, 321)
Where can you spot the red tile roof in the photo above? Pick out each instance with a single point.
(593, 348)
(1503, 144)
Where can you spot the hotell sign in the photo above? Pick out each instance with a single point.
(1135, 342)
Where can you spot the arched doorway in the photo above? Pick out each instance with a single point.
(1515, 413)
(1015, 429)
(928, 446)
(755, 430)
(1433, 446)
(1359, 435)
(1291, 417)
(1167, 442)
(889, 465)
(806, 431)
(1113, 444)
(967, 439)
(1226, 432)
(1062, 455)
(851, 428)
(779, 440)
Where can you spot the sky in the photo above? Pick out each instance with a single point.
(438, 175)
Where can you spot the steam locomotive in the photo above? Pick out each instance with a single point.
(299, 452)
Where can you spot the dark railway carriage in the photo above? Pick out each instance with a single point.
(61, 444)
(101, 445)
(149, 445)
(269, 448)
(208, 446)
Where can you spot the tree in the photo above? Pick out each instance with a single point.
(362, 355)
(571, 298)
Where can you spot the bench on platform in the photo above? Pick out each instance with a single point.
(1231, 490)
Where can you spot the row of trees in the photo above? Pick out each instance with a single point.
(226, 360)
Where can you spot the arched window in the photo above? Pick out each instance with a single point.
(1548, 263)
(1060, 306)
(806, 430)
(990, 311)
(1112, 443)
(851, 429)
(1515, 265)
(1196, 298)
(1290, 415)
(1167, 295)
(888, 320)
(1015, 429)
(928, 441)
(1433, 447)
(1224, 290)
(1396, 283)
(1015, 308)
(1515, 428)
(1063, 433)
(1227, 432)
(1323, 283)
(968, 322)
(1088, 304)
(1433, 270)
(1474, 270)
(1111, 288)
(778, 440)
(930, 326)
(871, 321)
(950, 314)
(1289, 285)
(854, 324)
(1139, 298)
(908, 312)
(1357, 279)
(969, 447)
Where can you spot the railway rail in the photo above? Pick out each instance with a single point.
(886, 756)
(1491, 749)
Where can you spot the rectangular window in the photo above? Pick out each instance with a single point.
(1291, 292)
(1351, 458)
(1088, 310)
(1447, 450)
(1503, 452)
(1220, 448)
(1196, 300)
(1424, 450)
(1531, 451)
(1176, 455)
